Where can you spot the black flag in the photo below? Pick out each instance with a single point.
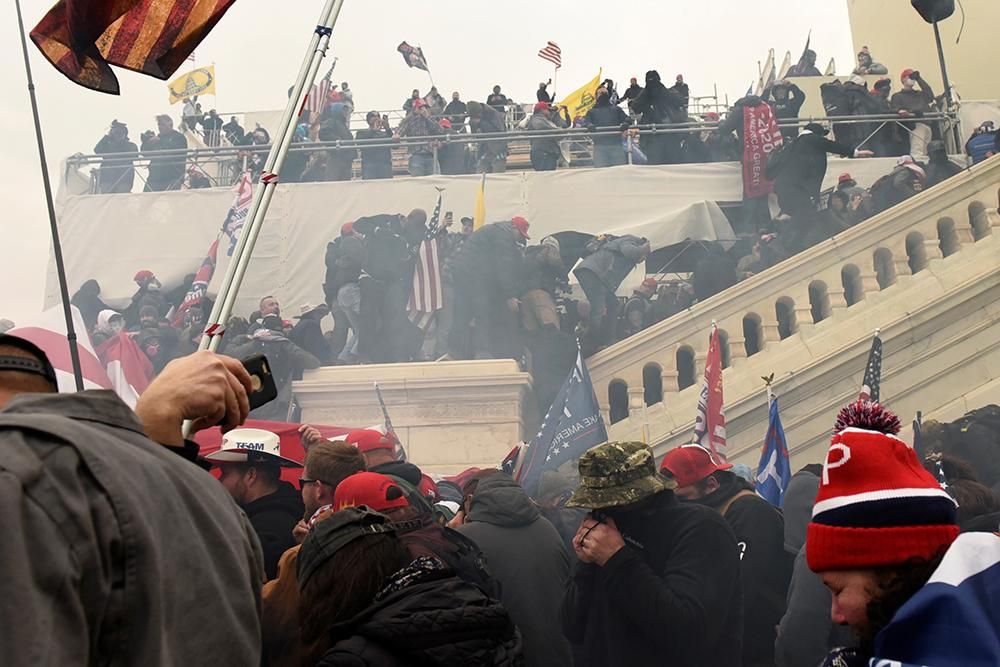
(413, 55)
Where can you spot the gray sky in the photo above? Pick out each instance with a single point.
(257, 52)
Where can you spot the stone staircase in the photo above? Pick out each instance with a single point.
(927, 273)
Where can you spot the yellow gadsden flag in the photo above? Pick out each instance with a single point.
(580, 101)
(479, 214)
(199, 81)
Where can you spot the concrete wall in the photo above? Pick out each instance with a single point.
(900, 39)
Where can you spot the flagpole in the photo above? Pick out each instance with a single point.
(226, 298)
(74, 353)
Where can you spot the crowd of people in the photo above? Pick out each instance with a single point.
(614, 116)
(123, 547)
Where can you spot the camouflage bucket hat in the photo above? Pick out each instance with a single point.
(617, 474)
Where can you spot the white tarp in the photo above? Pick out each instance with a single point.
(110, 237)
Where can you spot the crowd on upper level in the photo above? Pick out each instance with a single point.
(616, 113)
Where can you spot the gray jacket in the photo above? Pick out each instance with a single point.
(116, 550)
(527, 556)
(614, 260)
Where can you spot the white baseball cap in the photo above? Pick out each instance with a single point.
(251, 445)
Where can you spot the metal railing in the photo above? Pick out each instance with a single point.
(223, 165)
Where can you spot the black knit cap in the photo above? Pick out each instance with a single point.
(38, 365)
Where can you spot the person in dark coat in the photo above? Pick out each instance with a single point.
(525, 553)
(658, 582)
(484, 119)
(333, 127)
(658, 105)
(235, 134)
(88, 300)
(765, 566)
(939, 167)
(806, 634)
(375, 162)
(488, 281)
(786, 101)
(165, 173)
(345, 257)
(601, 272)
(542, 94)
(630, 93)
(545, 152)
(456, 110)
(806, 65)
(801, 175)
(385, 283)
(250, 464)
(756, 210)
(907, 180)
(638, 311)
(366, 601)
(714, 273)
(604, 115)
(119, 176)
(308, 333)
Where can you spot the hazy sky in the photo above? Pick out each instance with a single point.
(469, 48)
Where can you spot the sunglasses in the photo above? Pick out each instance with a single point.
(305, 481)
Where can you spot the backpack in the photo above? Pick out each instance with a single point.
(975, 438)
(777, 160)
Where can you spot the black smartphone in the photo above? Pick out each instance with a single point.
(262, 380)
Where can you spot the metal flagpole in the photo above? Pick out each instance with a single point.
(226, 298)
(74, 352)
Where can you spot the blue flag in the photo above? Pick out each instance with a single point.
(775, 469)
(572, 426)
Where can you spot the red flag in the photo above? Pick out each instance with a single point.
(761, 135)
(129, 369)
(710, 421)
(200, 285)
(48, 332)
(83, 38)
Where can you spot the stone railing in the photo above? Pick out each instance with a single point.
(664, 363)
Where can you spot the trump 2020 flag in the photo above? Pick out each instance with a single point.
(710, 420)
(572, 426)
(775, 470)
(871, 385)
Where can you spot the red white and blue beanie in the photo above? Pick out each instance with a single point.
(876, 505)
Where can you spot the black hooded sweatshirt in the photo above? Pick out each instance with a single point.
(765, 565)
(526, 554)
(273, 517)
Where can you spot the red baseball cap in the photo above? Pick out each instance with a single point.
(542, 106)
(428, 488)
(368, 440)
(844, 178)
(347, 229)
(521, 225)
(906, 74)
(651, 283)
(418, 103)
(379, 492)
(445, 123)
(143, 276)
(689, 464)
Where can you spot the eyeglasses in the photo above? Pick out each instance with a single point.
(305, 481)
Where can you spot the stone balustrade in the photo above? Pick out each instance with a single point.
(843, 280)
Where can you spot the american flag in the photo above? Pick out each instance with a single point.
(427, 298)
(552, 53)
(873, 372)
(320, 92)
(710, 420)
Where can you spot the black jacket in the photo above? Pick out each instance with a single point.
(308, 334)
(345, 257)
(659, 104)
(715, 273)
(671, 596)
(765, 566)
(273, 517)
(376, 156)
(389, 253)
(491, 257)
(438, 619)
(605, 116)
(805, 165)
(525, 553)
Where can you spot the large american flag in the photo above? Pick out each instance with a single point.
(552, 53)
(873, 372)
(320, 92)
(427, 298)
